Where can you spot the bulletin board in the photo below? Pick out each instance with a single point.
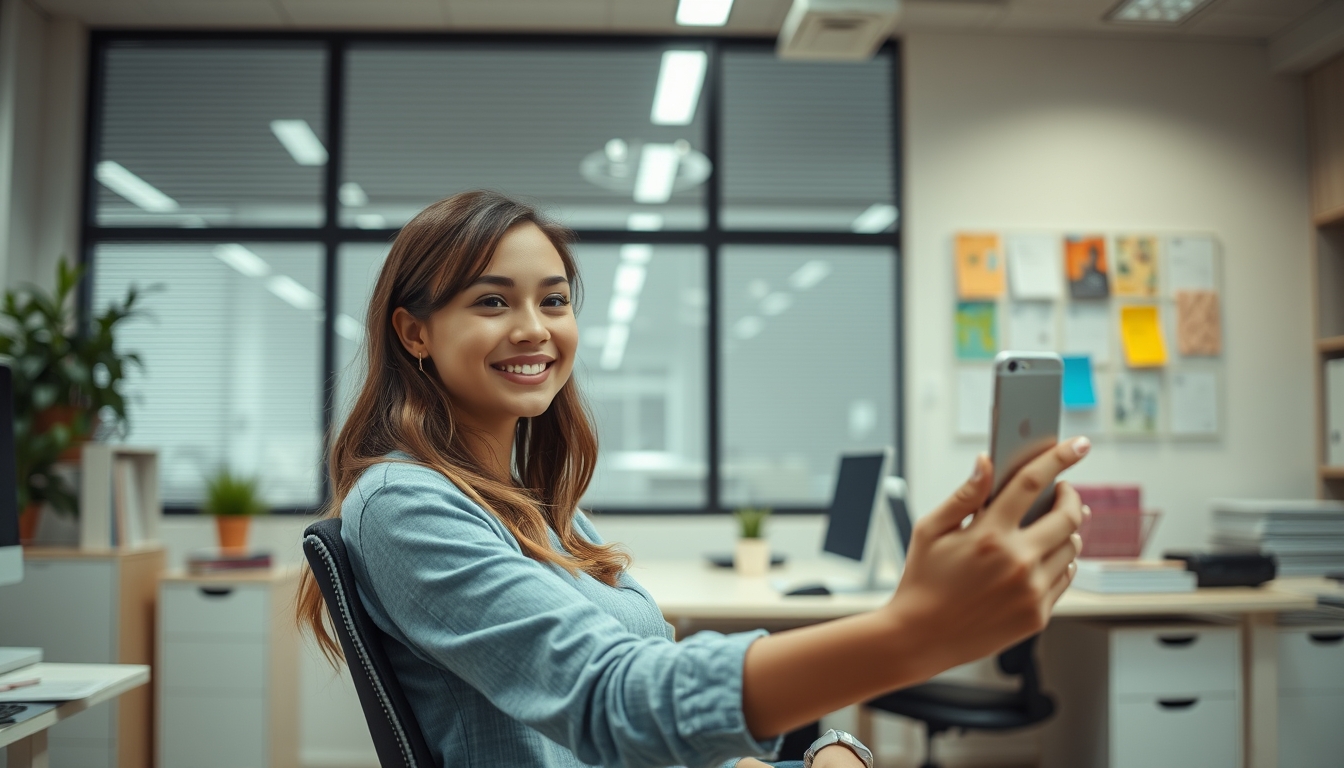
(1137, 317)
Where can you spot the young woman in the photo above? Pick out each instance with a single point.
(520, 638)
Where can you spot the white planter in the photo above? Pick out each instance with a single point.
(751, 557)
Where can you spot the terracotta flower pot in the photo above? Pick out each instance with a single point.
(28, 522)
(232, 532)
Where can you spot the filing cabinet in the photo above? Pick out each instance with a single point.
(1311, 695)
(227, 672)
(1139, 695)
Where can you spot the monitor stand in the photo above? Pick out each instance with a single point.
(17, 658)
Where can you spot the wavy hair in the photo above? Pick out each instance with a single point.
(435, 256)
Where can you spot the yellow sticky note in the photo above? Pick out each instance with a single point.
(979, 266)
(1141, 332)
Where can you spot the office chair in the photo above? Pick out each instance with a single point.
(396, 734)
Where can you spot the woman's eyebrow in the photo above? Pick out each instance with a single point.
(507, 282)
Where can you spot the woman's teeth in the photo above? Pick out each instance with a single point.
(527, 370)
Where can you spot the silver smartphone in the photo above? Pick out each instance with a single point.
(1025, 420)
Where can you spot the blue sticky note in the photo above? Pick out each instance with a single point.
(1078, 390)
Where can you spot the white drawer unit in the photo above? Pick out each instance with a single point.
(1142, 695)
(1311, 695)
(227, 673)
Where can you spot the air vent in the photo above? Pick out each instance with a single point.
(836, 30)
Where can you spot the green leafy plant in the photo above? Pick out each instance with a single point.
(751, 521)
(230, 495)
(66, 380)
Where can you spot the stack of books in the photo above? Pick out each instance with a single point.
(1305, 536)
(1121, 576)
(227, 561)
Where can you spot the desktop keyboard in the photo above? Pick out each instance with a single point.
(8, 711)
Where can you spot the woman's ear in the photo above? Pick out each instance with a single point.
(412, 332)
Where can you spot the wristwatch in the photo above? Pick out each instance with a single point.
(838, 737)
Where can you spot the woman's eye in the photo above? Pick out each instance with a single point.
(555, 300)
(492, 302)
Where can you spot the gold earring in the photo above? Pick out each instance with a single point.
(421, 360)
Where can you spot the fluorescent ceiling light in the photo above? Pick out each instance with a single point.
(294, 294)
(776, 303)
(614, 348)
(1155, 11)
(703, 13)
(299, 139)
(657, 171)
(748, 327)
(644, 222)
(133, 188)
(678, 91)
(243, 260)
(877, 218)
(348, 327)
(636, 253)
(629, 280)
(622, 309)
(370, 221)
(352, 195)
(809, 274)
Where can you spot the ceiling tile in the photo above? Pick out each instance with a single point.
(568, 15)
(384, 14)
(1239, 24)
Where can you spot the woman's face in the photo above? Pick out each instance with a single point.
(505, 345)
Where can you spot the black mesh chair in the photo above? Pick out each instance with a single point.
(944, 706)
(396, 735)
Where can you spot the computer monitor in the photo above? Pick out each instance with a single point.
(11, 554)
(860, 530)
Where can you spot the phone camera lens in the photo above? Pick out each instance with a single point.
(1012, 366)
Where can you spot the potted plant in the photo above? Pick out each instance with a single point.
(751, 555)
(233, 500)
(66, 386)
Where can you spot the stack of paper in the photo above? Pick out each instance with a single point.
(1306, 536)
(1119, 576)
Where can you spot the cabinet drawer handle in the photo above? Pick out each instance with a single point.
(1177, 703)
(1177, 641)
(216, 591)
(1326, 638)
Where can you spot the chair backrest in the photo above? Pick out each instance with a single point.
(1020, 660)
(396, 734)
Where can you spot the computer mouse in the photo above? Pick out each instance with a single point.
(808, 589)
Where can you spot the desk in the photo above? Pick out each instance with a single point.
(695, 594)
(27, 741)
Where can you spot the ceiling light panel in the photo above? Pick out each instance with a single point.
(703, 13)
(1155, 11)
(679, 81)
(117, 178)
(300, 141)
(657, 173)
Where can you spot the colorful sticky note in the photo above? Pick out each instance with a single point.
(1135, 266)
(979, 266)
(1079, 392)
(977, 330)
(1199, 331)
(1085, 262)
(1141, 332)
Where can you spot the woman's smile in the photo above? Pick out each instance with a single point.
(525, 369)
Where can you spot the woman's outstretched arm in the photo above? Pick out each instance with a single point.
(966, 592)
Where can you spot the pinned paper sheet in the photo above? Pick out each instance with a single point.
(1079, 391)
(1085, 258)
(1135, 266)
(1138, 402)
(1031, 326)
(1199, 330)
(1035, 266)
(1194, 403)
(1087, 331)
(977, 330)
(979, 266)
(975, 392)
(1141, 333)
(1190, 264)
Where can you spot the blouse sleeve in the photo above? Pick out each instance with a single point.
(459, 589)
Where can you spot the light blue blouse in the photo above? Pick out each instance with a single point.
(511, 662)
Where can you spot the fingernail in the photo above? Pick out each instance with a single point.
(975, 471)
(1077, 542)
(1087, 511)
(1073, 567)
(1081, 446)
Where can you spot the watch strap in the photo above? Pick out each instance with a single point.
(835, 736)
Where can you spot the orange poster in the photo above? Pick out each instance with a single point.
(980, 269)
(1085, 263)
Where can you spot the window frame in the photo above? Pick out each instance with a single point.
(331, 235)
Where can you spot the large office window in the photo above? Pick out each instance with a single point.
(736, 220)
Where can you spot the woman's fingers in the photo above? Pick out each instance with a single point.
(1058, 560)
(1056, 525)
(1061, 584)
(1017, 496)
(967, 500)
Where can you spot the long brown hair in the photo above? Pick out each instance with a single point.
(434, 257)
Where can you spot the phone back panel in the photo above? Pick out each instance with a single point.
(1027, 404)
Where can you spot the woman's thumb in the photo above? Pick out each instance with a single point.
(966, 500)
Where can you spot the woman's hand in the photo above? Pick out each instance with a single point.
(973, 590)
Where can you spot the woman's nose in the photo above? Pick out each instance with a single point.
(530, 327)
